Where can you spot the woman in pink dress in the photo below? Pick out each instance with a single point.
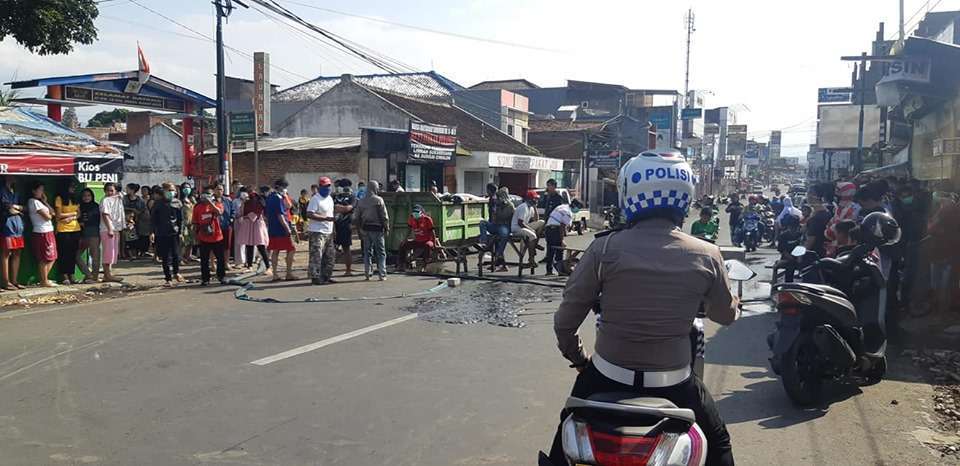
(252, 229)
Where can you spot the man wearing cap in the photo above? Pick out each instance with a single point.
(321, 211)
(423, 241)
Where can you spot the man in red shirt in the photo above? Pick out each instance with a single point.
(206, 221)
(424, 238)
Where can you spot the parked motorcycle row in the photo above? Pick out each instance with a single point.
(832, 316)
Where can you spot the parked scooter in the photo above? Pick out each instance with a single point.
(623, 428)
(834, 329)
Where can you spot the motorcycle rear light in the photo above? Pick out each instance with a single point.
(616, 450)
(788, 304)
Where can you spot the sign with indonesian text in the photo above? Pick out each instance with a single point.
(86, 169)
(524, 162)
(432, 142)
(84, 94)
(261, 91)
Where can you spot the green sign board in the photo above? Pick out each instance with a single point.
(242, 126)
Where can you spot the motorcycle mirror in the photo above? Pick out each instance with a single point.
(798, 251)
(738, 271)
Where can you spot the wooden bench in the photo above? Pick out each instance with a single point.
(518, 244)
(455, 251)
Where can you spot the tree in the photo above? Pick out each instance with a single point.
(7, 96)
(70, 118)
(108, 117)
(49, 27)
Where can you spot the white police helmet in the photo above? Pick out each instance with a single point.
(655, 182)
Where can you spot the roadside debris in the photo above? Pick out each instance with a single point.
(944, 367)
(495, 303)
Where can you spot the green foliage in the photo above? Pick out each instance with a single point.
(108, 117)
(49, 27)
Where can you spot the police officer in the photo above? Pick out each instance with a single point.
(654, 278)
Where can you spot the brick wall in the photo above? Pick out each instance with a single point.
(294, 165)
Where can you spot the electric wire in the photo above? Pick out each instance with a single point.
(426, 29)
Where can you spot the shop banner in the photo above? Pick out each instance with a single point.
(86, 169)
(98, 170)
(432, 142)
(36, 165)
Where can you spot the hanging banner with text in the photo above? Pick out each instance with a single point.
(86, 169)
(432, 142)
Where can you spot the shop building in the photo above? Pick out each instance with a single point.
(386, 113)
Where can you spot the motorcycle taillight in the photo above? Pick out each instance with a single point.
(622, 451)
(787, 303)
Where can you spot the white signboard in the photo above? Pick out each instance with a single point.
(261, 91)
(839, 126)
(905, 69)
(524, 162)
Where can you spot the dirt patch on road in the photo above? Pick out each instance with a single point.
(494, 303)
(943, 367)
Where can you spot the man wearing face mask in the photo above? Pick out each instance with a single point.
(321, 211)
(343, 233)
(167, 218)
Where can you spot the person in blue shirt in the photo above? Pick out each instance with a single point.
(279, 230)
(226, 220)
(11, 212)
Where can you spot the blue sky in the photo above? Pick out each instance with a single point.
(764, 57)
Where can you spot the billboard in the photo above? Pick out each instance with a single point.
(776, 138)
(737, 139)
(261, 91)
(691, 113)
(834, 94)
(432, 142)
(839, 126)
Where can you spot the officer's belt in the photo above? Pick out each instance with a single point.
(645, 379)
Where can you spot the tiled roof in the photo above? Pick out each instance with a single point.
(541, 126)
(473, 133)
(429, 85)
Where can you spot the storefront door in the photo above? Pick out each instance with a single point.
(517, 183)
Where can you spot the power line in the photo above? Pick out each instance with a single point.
(426, 29)
(243, 53)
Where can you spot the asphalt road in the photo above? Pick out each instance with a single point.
(196, 376)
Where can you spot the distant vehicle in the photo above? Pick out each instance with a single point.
(797, 189)
(580, 214)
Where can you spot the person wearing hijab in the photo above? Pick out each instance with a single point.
(846, 209)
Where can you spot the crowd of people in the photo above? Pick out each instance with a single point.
(921, 268)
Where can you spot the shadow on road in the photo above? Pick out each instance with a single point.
(766, 402)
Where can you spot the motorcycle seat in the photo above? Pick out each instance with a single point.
(632, 399)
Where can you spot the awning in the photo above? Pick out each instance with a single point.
(899, 169)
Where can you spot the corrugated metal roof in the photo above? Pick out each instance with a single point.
(21, 128)
(301, 143)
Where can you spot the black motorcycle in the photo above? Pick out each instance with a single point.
(613, 217)
(831, 325)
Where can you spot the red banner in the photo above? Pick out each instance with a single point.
(36, 165)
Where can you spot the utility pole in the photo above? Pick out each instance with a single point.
(862, 75)
(688, 20)
(902, 33)
(222, 12)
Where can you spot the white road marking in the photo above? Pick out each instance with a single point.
(331, 340)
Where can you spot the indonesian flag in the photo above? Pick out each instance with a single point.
(142, 60)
